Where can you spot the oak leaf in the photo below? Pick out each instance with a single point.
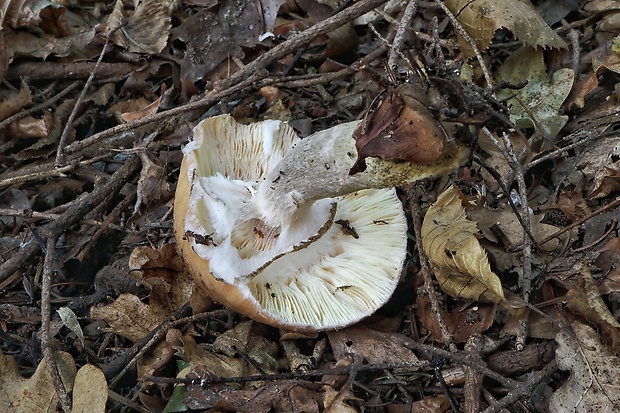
(594, 384)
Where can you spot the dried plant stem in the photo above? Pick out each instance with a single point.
(46, 340)
(429, 286)
(22, 114)
(611, 205)
(507, 150)
(473, 378)
(401, 31)
(470, 41)
(524, 388)
(69, 124)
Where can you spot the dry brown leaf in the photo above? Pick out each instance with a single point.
(373, 346)
(599, 162)
(15, 102)
(586, 301)
(152, 184)
(594, 384)
(90, 391)
(145, 29)
(481, 18)
(129, 317)
(210, 37)
(457, 258)
(462, 324)
(37, 393)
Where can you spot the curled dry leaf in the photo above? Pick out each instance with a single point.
(594, 384)
(457, 258)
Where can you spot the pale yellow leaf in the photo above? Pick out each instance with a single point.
(90, 391)
(457, 258)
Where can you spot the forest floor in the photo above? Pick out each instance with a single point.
(98, 100)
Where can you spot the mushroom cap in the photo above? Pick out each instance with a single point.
(335, 265)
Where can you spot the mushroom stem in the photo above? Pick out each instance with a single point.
(318, 167)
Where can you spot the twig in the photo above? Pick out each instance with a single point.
(523, 389)
(470, 41)
(321, 79)
(243, 78)
(473, 379)
(43, 172)
(46, 311)
(46, 104)
(403, 26)
(429, 286)
(69, 124)
(203, 381)
(513, 160)
(580, 140)
(71, 216)
(575, 224)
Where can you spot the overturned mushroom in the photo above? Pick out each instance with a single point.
(278, 229)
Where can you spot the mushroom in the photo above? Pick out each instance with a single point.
(279, 228)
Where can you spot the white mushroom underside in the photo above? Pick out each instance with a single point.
(347, 278)
(333, 281)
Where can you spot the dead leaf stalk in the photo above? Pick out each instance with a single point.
(46, 310)
(429, 287)
(71, 216)
(471, 42)
(68, 125)
(506, 148)
(401, 31)
(523, 389)
(577, 223)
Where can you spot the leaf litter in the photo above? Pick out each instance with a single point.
(86, 230)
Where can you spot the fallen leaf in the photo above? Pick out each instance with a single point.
(460, 323)
(599, 162)
(537, 104)
(457, 258)
(129, 317)
(152, 184)
(210, 37)
(37, 393)
(482, 18)
(145, 29)
(370, 345)
(90, 391)
(594, 383)
(585, 301)
(13, 103)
